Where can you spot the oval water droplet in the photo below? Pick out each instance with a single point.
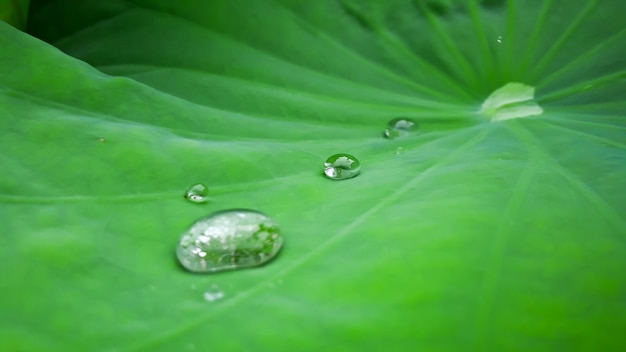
(229, 239)
(341, 166)
(197, 193)
(400, 127)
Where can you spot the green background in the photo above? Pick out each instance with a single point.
(470, 235)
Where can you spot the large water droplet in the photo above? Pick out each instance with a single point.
(229, 239)
(400, 127)
(342, 166)
(197, 193)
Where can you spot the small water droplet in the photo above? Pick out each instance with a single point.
(341, 166)
(213, 294)
(229, 239)
(399, 150)
(499, 39)
(197, 193)
(101, 139)
(400, 127)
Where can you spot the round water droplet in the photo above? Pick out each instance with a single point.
(197, 193)
(342, 166)
(400, 127)
(229, 239)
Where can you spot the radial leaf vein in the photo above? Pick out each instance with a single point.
(583, 134)
(537, 31)
(587, 123)
(556, 47)
(391, 38)
(496, 257)
(584, 86)
(607, 211)
(375, 66)
(582, 58)
(479, 29)
(510, 33)
(463, 67)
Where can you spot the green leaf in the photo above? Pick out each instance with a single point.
(469, 235)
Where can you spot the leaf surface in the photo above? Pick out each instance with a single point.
(469, 235)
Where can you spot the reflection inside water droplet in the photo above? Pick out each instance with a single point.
(341, 166)
(197, 193)
(229, 239)
(400, 127)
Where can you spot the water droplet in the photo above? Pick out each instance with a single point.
(400, 127)
(499, 39)
(213, 294)
(101, 139)
(342, 166)
(399, 150)
(229, 239)
(197, 193)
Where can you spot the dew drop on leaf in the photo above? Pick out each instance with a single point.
(197, 193)
(229, 239)
(341, 166)
(213, 294)
(400, 127)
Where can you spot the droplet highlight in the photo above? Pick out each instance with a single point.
(229, 239)
(197, 193)
(400, 127)
(342, 166)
